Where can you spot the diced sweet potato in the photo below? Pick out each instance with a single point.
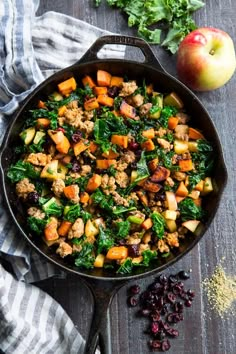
(63, 146)
(105, 100)
(110, 154)
(61, 111)
(91, 104)
(173, 122)
(100, 90)
(41, 104)
(103, 78)
(198, 201)
(182, 191)
(84, 197)
(148, 145)
(116, 81)
(71, 192)
(127, 110)
(161, 173)
(104, 164)
(93, 183)
(143, 197)
(43, 123)
(152, 165)
(149, 133)
(50, 231)
(81, 146)
(179, 199)
(185, 165)
(64, 228)
(88, 81)
(149, 89)
(151, 186)
(121, 140)
(147, 224)
(67, 86)
(117, 252)
(56, 135)
(195, 134)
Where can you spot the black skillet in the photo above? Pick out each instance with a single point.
(104, 283)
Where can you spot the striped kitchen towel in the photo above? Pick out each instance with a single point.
(31, 49)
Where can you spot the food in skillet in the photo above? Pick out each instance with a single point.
(111, 173)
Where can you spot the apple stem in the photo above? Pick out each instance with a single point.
(212, 52)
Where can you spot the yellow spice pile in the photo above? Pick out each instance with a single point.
(221, 290)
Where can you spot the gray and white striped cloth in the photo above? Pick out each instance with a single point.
(31, 49)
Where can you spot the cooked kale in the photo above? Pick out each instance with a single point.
(36, 225)
(190, 211)
(85, 258)
(158, 224)
(22, 170)
(105, 240)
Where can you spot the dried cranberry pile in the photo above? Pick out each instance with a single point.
(163, 304)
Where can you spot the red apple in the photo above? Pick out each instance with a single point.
(206, 59)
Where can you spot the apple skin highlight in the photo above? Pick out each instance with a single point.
(206, 59)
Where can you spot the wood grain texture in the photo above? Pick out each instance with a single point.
(202, 331)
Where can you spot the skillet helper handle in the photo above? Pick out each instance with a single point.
(100, 330)
(149, 56)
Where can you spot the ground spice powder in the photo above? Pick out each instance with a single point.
(221, 291)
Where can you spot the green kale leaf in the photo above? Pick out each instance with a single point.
(105, 240)
(190, 211)
(36, 225)
(85, 258)
(21, 170)
(158, 224)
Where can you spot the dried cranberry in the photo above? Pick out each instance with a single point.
(154, 327)
(133, 250)
(133, 145)
(122, 242)
(177, 289)
(165, 345)
(60, 129)
(183, 295)
(173, 279)
(135, 289)
(138, 153)
(155, 315)
(133, 165)
(163, 279)
(145, 312)
(155, 344)
(75, 166)
(76, 137)
(113, 91)
(184, 275)
(191, 293)
(178, 307)
(164, 309)
(132, 301)
(33, 197)
(171, 297)
(172, 332)
(188, 303)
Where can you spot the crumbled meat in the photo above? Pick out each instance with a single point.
(77, 229)
(133, 196)
(76, 248)
(169, 182)
(183, 117)
(88, 115)
(144, 247)
(74, 117)
(160, 132)
(64, 249)
(86, 127)
(119, 199)
(57, 187)
(121, 165)
(137, 100)
(175, 159)
(179, 176)
(61, 121)
(133, 240)
(162, 246)
(73, 104)
(75, 175)
(128, 157)
(85, 169)
(39, 159)
(145, 108)
(122, 179)
(181, 132)
(172, 239)
(128, 88)
(147, 237)
(24, 187)
(164, 144)
(108, 184)
(36, 213)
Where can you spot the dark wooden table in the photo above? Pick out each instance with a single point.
(202, 331)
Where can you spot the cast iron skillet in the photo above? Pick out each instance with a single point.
(103, 282)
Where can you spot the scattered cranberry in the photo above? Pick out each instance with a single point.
(191, 293)
(133, 146)
(155, 327)
(76, 137)
(172, 332)
(33, 197)
(171, 297)
(60, 129)
(135, 289)
(113, 91)
(75, 166)
(155, 344)
(184, 275)
(132, 301)
(165, 345)
(188, 303)
(133, 250)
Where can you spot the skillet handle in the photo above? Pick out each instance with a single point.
(100, 329)
(92, 52)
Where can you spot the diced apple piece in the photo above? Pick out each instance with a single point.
(28, 135)
(159, 103)
(180, 146)
(192, 146)
(50, 170)
(171, 200)
(194, 194)
(99, 261)
(90, 230)
(81, 146)
(38, 136)
(56, 135)
(170, 214)
(171, 225)
(173, 100)
(208, 186)
(191, 225)
(62, 169)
